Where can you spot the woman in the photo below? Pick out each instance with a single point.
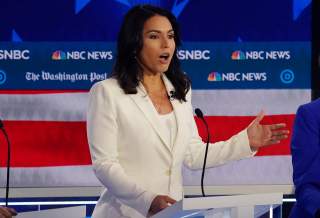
(140, 122)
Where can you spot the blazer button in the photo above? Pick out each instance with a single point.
(168, 172)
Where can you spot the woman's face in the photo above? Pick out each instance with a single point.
(158, 45)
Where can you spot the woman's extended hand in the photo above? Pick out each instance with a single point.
(263, 135)
(159, 203)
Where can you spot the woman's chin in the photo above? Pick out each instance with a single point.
(164, 69)
(159, 71)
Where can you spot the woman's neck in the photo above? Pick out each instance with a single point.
(153, 83)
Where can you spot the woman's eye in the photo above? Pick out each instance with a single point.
(153, 36)
(171, 36)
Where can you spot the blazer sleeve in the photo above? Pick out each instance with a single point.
(235, 148)
(305, 149)
(102, 130)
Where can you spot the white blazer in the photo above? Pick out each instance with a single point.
(131, 156)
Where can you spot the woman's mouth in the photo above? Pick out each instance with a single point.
(164, 58)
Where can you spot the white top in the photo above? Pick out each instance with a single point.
(169, 123)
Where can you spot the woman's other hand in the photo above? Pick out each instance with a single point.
(263, 135)
(159, 203)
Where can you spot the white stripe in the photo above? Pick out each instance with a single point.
(261, 170)
(237, 189)
(50, 176)
(37, 192)
(44, 107)
(289, 200)
(249, 102)
(72, 106)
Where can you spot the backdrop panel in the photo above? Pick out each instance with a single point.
(254, 55)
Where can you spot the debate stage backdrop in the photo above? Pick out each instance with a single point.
(242, 57)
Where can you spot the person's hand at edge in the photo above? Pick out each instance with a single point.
(6, 212)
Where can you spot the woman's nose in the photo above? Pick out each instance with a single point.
(165, 42)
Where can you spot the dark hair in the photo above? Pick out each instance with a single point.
(127, 69)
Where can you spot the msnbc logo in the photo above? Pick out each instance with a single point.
(59, 55)
(214, 76)
(238, 55)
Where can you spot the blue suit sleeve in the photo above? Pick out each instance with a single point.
(305, 150)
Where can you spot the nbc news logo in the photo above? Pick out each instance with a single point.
(59, 55)
(260, 55)
(214, 76)
(238, 55)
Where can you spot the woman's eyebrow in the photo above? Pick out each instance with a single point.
(158, 31)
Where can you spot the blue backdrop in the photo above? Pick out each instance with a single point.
(201, 20)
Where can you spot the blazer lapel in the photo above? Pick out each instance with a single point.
(144, 103)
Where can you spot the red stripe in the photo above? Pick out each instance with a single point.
(223, 127)
(40, 91)
(39, 144)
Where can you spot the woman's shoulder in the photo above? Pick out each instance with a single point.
(107, 84)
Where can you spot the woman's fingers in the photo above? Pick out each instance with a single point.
(275, 139)
(279, 137)
(259, 117)
(277, 126)
(170, 200)
(280, 132)
(163, 204)
(160, 202)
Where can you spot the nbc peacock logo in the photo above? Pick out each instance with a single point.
(238, 55)
(58, 55)
(214, 76)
